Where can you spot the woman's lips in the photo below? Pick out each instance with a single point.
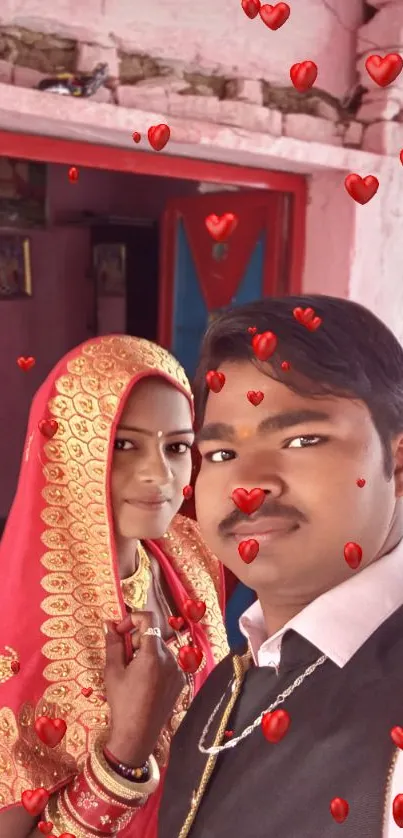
(149, 505)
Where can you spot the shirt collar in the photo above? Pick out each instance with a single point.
(341, 620)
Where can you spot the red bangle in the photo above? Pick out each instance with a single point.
(91, 806)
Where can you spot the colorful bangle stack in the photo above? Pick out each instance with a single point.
(136, 775)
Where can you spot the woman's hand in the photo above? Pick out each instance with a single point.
(141, 694)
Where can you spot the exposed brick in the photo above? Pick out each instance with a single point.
(353, 135)
(6, 72)
(383, 138)
(378, 106)
(89, 55)
(194, 107)
(311, 129)
(245, 90)
(26, 77)
(251, 117)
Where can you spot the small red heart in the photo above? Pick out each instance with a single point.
(264, 345)
(136, 137)
(303, 75)
(50, 731)
(34, 801)
(187, 492)
(158, 136)
(248, 550)
(215, 380)
(401, 156)
(252, 329)
(248, 502)
(73, 174)
(339, 809)
(306, 316)
(361, 189)
(275, 725)
(255, 397)
(190, 658)
(15, 667)
(48, 427)
(66, 835)
(384, 70)
(251, 8)
(228, 734)
(397, 809)
(194, 610)
(25, 363)
(286, 366)
(45, 827)
(176, 623)
(360, 482)
(221, 227)
(275, 16)
(86, 691)
(397, 736)
(353, 554)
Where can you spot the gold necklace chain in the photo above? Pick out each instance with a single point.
(232, 743)
(135, 588)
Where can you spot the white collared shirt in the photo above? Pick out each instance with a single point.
(338, 623)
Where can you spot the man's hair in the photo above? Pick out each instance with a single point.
(352, 355)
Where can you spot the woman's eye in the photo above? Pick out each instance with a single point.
(123, 445)
(304, 441)
(221, 456)
(179, 448)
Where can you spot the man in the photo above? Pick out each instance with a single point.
(315, 434)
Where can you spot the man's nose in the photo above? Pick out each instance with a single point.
(258, 472)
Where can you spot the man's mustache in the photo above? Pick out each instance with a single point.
(269, 509)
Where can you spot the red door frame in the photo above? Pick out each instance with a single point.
(77, 153)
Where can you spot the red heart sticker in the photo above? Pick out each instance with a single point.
(248, 502)
(15, 667)
(397, 736)
(252, 329)
(228, 734)
(303, 75)
(286, 366)
(34, 801)
(45, 827)
(215, 380)
(353, 554)
(136, 137)
(158, 136)
(361, 189)
(190, 658)
(248, 550)
(194, 610)
(73, 174)
(401, 156)
(48, 427)
(187, 492)
(87, 691)
(251, 8)
(360, 482)
(264, 345)
(384, 70)
(176, 623)
(50, 731)
(25, 363)
(255, 397)
(275, 725)
(306, 316)
(339, 809)
(221, 227)
(397, 809)
(275, 16)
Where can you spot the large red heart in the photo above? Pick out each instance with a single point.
(275, 725)
(176, 623)
(215, 380)
(45, 827)
(397, 736)
(50, 731)
(397, 808)
(251, 7)
(158, 136)
(353, 554)
(361, 189)
(190, 658)
(303, 75)
(48, 427)
(221, 227)
(264, 345)
(384, 70)
(248, 550)
(194, 610)
(25, 363)
(339, 809)
(255, 397)
(275, 16)
(34, 801)
(248, 502)
(306, 316)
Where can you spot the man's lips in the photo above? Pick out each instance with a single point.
(262, 528)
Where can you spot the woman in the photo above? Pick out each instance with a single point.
(93, 537)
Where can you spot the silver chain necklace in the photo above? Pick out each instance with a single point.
(232, 743)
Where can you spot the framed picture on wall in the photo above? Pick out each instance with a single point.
(109, 261)
(15, 267)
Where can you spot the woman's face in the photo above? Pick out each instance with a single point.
(151, 460)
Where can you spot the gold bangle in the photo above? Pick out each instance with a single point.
(97, 789)
(134, 793)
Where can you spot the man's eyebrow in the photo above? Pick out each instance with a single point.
(278, 422)
(182, 432)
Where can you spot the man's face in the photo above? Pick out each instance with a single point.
(308, 468)
(152, 459)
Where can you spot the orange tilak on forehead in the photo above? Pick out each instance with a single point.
(245, 432)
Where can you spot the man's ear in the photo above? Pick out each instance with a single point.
(398, 465)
